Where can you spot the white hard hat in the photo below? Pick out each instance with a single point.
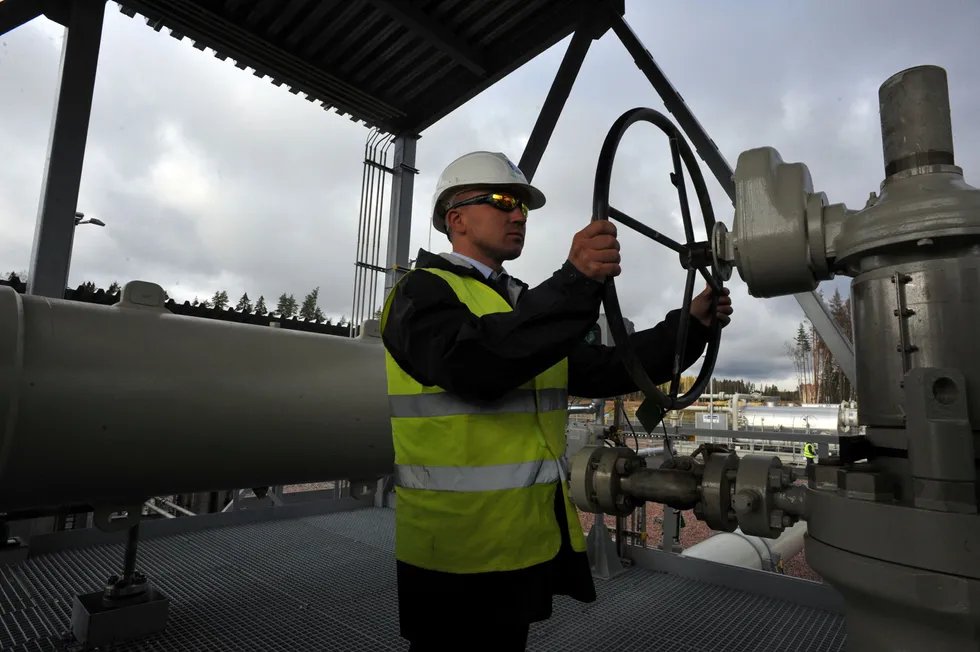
(481, 170)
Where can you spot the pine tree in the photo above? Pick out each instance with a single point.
(220, 300)
(244, 305)
(309, 310)
(114, 288)
(260, 308)
(286, 305)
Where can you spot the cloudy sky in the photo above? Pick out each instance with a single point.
(209, 178)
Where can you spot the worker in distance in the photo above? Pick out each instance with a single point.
(480, 368)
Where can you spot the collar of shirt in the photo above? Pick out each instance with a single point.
(481, 267)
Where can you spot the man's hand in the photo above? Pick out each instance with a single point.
(595, 251)
(701, 307)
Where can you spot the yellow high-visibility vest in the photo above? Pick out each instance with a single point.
(809, 451)
(475, 481)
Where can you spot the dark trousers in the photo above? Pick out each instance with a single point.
(493, 610)
(809, 461)
(484, 635)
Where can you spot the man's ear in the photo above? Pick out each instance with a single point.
(453, 216)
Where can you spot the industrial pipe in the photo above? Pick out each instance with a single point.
(114, 404)
(738, 549)
(673, 487)
(652, 451)
(588, 408)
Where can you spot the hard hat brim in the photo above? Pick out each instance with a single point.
(531, 196)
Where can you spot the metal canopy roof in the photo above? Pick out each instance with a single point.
(399, 65)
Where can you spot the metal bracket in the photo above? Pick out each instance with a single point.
(601, 550)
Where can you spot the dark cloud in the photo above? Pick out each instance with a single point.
(210, 178)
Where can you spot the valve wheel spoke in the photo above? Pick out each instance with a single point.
(643, 229)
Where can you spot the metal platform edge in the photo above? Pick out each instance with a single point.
(52, 542)
(805, 593)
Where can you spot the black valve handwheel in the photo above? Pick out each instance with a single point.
(696, 257)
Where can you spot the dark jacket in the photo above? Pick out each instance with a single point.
(437, 340)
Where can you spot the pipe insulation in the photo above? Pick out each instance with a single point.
(113, 404)
(738, 549)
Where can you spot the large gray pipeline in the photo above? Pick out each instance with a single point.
(114, 404)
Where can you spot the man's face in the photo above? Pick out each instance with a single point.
(494, 230)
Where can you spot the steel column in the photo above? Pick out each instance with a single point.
(53, 233)
(400, 217)
(814, 309)
(554, 103)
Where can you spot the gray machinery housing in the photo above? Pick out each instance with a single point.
(108, 406)
(892, 522)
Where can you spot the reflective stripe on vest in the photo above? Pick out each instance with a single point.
(444, 404)
(481, 478)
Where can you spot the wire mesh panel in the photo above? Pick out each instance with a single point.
(328, 583)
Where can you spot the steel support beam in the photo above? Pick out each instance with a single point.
(434, 33)
(814, 309)
(554, 103)
(400, 219)
(55, 228)
(830, 332)
(14, 13)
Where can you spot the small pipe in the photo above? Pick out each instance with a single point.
(671, 487)
(792, 500)
(582, 409)
(650, 452)
(129, 561)
(176, 507)
(158, 510)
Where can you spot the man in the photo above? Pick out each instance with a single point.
(479, 371)
(810, 453)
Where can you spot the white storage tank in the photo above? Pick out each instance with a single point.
(802, 418)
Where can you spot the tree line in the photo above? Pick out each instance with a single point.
(727, 386)
(286, 306)
(819, 378)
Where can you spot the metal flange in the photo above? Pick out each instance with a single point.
(595, 479)
(715, 508)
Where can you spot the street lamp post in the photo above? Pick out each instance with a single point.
(80, 219)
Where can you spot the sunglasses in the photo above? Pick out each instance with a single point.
(501, 202)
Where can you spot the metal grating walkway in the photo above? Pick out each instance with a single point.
(326, 583)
